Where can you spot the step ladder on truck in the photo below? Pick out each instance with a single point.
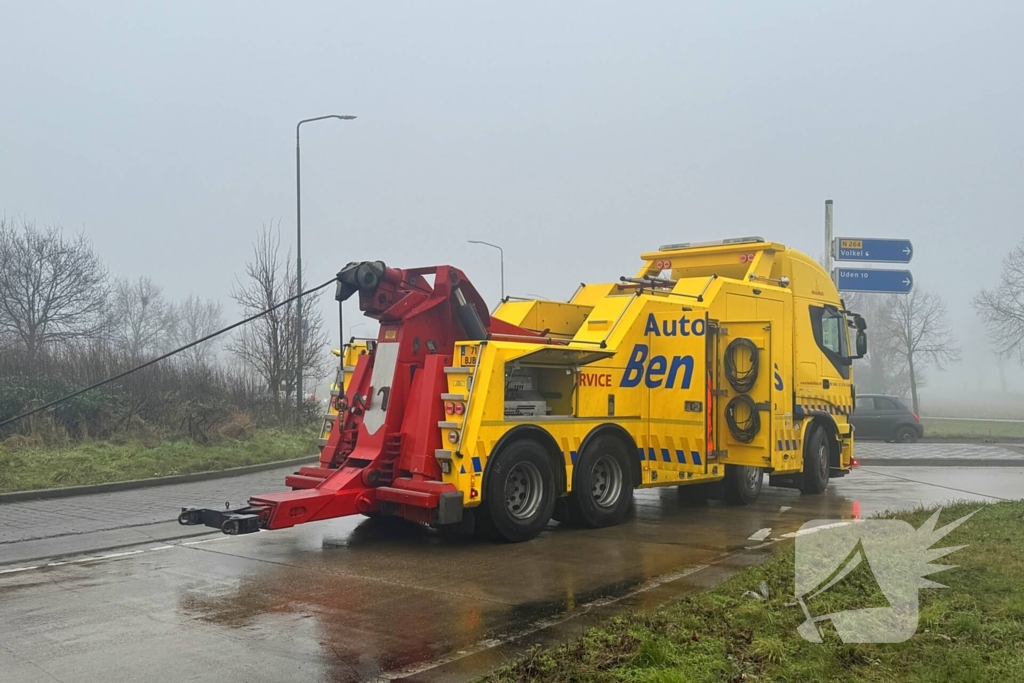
(716, 364)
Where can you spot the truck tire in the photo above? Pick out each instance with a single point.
(816, 460)
(602, 487)
(520, 492)
(742, 484)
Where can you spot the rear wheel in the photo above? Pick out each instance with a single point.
(906, 434)
(742, 484)
(602, 484)
(816, 460)
(520, 492)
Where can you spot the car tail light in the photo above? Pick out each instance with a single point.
(916, 417)
(459, 409)
(449, 408)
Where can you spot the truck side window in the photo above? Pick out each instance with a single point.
(830, 335)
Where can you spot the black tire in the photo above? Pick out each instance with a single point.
(816, 460)
(520, 491)
(742, 484)
(906, 434)
(602, 486)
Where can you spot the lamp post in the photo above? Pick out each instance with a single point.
(502, 254)
(298, 254)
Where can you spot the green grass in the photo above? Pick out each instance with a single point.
(971, 631)
(972, 429)
(24, 468)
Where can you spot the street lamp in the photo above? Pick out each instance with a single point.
(502, 254)
(298, 254)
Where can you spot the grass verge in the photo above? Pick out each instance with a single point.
(972, 429)
(98, 462)
(971, 631)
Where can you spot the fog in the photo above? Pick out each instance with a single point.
(575, 135)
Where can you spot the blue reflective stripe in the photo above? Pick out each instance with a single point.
(476, 465)
(665, 455)
(462, 470)
(651, 455)
(572, 457)
(696, 457)
(681, 457)
(640, 452)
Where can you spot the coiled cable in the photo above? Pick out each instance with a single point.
(746, 429)
(741, 381)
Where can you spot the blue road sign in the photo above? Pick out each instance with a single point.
(871, 249)
(874, 280)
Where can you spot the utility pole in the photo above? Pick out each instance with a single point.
(828, 237)
(298, 258)
(501, 254)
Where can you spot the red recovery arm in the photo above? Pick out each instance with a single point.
(379, 456)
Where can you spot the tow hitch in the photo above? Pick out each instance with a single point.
(232, 521)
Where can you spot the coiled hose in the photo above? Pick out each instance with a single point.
(744, 430)
(742, 381)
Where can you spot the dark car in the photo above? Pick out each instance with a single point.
(885, 417)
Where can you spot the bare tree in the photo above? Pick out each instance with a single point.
(881, 371)
(194, 319)
(52, 288)
(1002, 308)
(915, 330)
(268, 345)
(141, 321)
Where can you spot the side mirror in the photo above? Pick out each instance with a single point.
(862, 344)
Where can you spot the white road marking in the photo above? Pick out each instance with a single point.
(760, 534)
(784, 508)
(109, 556)
(814, 529)
(207, 540)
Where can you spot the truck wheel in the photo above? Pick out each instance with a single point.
(742, 484)
(815, 460)
(602, 484)
(520, 492)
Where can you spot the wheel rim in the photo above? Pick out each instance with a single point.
(753, 478)
(606, 481)
(823, 461)
(524, 490)
(904, 436)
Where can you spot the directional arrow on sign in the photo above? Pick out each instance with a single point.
(879, 250)
(873, 280)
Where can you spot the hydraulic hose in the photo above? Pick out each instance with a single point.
(746, 429)
(742, 381)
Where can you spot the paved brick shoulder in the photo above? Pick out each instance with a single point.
(104, 511)
(868, 450)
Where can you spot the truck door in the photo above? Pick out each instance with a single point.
(743, 419)
(675, 379)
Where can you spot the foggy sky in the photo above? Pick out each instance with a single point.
(576, 135)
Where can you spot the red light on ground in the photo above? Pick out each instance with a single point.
(856, 509)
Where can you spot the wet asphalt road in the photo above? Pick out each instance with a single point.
(357, 599)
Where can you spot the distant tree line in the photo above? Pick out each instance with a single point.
(67, 322)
